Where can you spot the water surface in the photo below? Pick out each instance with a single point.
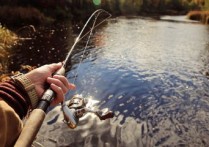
(152, 74)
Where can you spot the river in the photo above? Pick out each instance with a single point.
(151, 73)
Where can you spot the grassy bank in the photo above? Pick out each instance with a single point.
(202, 16)
(7, 40)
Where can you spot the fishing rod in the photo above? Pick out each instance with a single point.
(49, 94)
(77, 106)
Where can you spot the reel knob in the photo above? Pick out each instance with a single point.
(106, 115)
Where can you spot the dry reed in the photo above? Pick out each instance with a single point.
(202, 16)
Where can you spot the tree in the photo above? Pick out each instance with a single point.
(206, 6)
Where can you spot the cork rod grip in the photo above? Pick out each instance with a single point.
(31, 128)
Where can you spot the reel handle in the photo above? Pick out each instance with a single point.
(49, 94)
(103, 116)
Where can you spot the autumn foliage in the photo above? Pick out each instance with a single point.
(202, 16)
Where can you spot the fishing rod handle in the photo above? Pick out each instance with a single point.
(36, 117)
(30, 128)
(49, 94)
(46, 99)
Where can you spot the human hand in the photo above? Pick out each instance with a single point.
(58, 83)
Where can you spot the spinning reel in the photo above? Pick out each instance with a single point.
(77, 108)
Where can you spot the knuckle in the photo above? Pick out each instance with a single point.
(59, 89)
(65, 90)
(57, 82)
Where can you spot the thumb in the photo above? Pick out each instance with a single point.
(54, 67)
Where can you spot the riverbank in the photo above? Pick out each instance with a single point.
(202, 16)
(42, 12)
(7, 40)
(19, 16)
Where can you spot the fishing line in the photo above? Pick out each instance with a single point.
(77, 106)
(86, 45)
(73, 111)
(99, 11)
(72, 115)
(96, 14)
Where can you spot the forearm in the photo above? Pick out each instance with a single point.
(14, 106)
(22, 93)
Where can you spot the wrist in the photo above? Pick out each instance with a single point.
(25, 83)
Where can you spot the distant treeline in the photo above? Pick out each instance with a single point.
(153, 6)
(79, 9)
(115, 6)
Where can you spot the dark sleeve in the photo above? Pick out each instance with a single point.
(16, 97)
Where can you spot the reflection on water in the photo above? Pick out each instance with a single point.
(93, 132)
(152, 74)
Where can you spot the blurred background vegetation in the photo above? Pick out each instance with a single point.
(21, 12)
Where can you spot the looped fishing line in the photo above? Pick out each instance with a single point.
(94, 25)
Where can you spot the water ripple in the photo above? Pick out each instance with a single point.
(151, 73)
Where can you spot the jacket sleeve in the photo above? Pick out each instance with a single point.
(14, 105)
(16, 97)
(10, 125)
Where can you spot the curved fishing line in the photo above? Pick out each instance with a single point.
(94, 25)
(86, 45)
(98, 23)
(72, 112)
(99, 11)
(33, 124)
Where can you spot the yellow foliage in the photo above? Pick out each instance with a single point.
(7, 40)
(6, 76)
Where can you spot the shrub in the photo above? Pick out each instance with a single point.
(20, 15)
(202, 16)
(7, 40)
